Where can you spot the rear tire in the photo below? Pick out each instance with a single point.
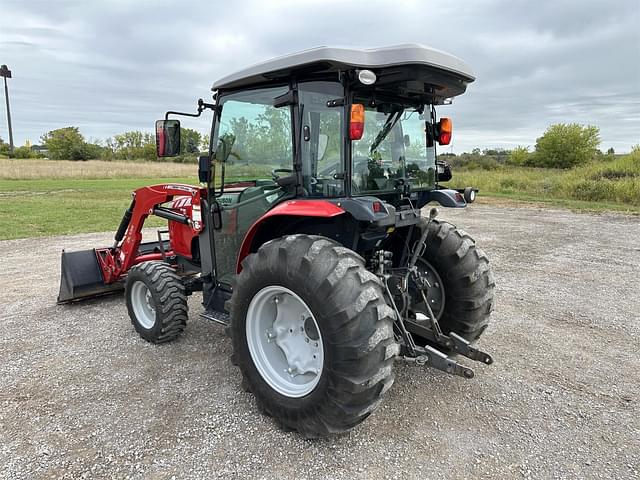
(355, 332)
(156, 301)
(467, 280)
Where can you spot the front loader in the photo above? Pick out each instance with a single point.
(306, 233)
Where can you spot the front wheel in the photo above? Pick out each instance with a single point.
(156, 301)
(312, 334)
(460, 281)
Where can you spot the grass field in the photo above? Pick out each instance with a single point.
(612, 184)
(43, 197)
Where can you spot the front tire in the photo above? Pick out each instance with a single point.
(295, 293)
(156, 301)
(463, 291)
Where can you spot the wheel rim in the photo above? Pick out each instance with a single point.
(144, 306)
(284, 341)
(434, 292)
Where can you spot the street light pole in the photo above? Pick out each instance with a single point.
(6, 73)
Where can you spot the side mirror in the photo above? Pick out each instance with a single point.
(225, 144)
(167, 138)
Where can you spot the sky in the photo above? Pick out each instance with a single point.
(112, 66)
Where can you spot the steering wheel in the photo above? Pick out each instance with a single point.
(275, 171)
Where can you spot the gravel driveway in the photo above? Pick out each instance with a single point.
(82, 396)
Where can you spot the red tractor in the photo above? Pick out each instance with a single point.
(325, 271)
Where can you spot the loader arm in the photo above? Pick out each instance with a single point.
(95, 272)
(114, 262)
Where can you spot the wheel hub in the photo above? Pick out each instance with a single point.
(431, 284)
(284, 341)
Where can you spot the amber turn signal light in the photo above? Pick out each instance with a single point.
(356, 124)
(445, 130)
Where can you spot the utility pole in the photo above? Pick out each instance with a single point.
(6, 73)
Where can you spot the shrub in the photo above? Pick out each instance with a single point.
(518, 156)
(25, 152)
(566, 145)
(65, 143)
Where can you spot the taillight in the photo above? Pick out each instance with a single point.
(356, 124)
(445, 130)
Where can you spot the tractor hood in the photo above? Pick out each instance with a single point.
(424, 73)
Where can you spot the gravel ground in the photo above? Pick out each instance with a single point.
(82, 396)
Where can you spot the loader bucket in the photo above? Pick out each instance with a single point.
(81, 277)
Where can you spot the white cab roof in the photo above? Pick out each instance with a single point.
(334, 59)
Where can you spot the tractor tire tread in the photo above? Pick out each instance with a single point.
(468, 279)
(169, 293)
(358, 331)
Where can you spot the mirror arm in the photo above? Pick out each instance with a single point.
(202, 106)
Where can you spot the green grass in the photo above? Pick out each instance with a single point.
(33, 208)
(582, 206)
(607, 184)
(39, 206)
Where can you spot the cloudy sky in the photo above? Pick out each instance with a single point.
(112, 66)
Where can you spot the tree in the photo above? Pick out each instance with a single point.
(65, 144)
(190, 141)
(4, 147)
(611, 151)
(25, 152)
(518, 156)
(205, 143)
(566, 145)
(132, 145)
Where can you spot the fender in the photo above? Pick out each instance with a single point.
(445, 196)
(295, 208)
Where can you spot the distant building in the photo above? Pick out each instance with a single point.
(42, 150)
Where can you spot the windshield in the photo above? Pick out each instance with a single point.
(392, 151)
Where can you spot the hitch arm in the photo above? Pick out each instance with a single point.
(430, 357)
(463, 347)
(452, 341)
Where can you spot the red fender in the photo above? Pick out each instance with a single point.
(295, 208)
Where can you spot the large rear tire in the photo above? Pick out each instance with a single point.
(312, 334)
(463, 286)
(156, 301)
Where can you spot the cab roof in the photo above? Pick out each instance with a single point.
(410, 66)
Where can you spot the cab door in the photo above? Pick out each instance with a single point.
(259, 138)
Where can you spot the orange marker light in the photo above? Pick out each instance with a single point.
(356, 125)
(445, 131)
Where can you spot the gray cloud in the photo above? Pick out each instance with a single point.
(115, 65)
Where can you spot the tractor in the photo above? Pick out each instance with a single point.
(307, 233)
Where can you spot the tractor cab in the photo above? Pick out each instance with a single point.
(351, 127)
(335, 123)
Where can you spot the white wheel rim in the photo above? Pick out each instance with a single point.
(143, 304)
(284, 341)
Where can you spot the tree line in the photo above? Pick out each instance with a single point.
(561, 146)
(69, 144)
